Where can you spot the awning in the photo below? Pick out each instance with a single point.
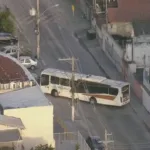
(11, 122)
(10, 135)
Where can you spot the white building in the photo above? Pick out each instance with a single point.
(24, 101)
(139, 50)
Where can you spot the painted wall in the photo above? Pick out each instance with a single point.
(146, 100)
(38, 122)
(141, 54)
(112, 50)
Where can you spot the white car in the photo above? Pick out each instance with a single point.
(10, 50)
(28, 62)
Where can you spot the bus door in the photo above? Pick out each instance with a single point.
(64, 88)
(45, 83)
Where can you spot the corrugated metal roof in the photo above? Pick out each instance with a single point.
(11, 71)
(11, 121)
(10, 135)
(129, 10)
(28, 97)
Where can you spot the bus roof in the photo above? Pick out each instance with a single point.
(78, 76)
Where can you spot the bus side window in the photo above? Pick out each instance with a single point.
(44, 79)
(80, 88)
(64, 82)
(113, 91)
(54, 80)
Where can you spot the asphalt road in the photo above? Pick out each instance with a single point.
(57, 41)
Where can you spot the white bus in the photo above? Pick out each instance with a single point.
(90, 88)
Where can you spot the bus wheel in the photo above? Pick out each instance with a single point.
(54, 93)
(93, 100)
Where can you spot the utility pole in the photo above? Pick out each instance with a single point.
(107, 139)
(72, 60)
(18, 51)
(106, 13)
(94, 4)
(38, 28)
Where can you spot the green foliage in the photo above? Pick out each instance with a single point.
(77, 147)
(6, 23)
(43, 147)
(6, 148)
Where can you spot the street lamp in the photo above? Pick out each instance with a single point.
(36, 13)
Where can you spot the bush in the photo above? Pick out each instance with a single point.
(43, 147)
(6, 22)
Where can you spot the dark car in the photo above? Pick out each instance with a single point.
(95, 143)
(7, 38)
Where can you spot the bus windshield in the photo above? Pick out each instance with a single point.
(125, 91)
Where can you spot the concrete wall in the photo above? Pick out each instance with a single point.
(38, 122)
(141, 54)
(146, 100)
(146, 76)
(110, 47)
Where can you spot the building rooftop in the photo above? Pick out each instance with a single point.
(11, 71)
(129, 10)
(21, 98)
(27, 97)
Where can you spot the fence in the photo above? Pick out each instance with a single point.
(72, 137)
(14, 85)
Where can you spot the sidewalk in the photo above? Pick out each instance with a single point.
(94, 49)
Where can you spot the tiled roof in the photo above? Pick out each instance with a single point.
(130, 10)
(10, 71)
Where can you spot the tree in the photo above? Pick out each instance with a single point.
(6, 22)
(43, 147)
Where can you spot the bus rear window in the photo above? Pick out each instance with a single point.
(125, 90)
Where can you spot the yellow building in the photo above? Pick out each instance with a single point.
(26, 112)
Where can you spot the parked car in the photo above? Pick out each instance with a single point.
(28, 62)
(10, 50)
(95, 143)
(8, 38)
